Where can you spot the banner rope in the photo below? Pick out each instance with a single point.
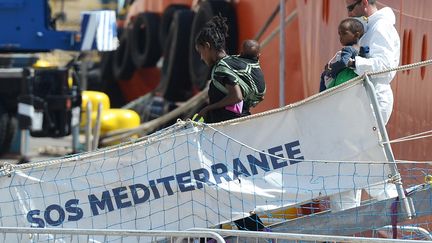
(416, 136)
(8, 168)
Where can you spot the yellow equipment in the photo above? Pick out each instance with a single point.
(43, 64)
(95, 97)
(111, 119)
(114, 119)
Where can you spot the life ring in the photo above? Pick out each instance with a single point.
(207, 9)
(144, 41)
(166, 20)
(175, 82)
(123, 66)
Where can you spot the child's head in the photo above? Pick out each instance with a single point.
(350, 31)
(250, 49)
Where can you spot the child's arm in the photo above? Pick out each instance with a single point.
(347, 54)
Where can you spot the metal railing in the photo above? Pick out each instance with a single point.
(22, 234)
(234, 236)
(414, 230)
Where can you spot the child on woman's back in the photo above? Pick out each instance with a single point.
(250, 49)
(249, 53)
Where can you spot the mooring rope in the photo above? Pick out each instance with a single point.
(9, 168)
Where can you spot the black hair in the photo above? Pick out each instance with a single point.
(353, 25)
(215, 32)
(250, 49)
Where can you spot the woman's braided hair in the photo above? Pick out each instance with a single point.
(214, 32)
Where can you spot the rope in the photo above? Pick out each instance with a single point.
(396, 179)
(149, 126)
(341, 87)
(317, 96)
(8, 168)
(273, 34)
(402, 68)
(427, 162)
(411, 137)
(303, 160)
(212, 126)
(267, 23)
(325, 93)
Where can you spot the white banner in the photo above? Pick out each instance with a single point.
(99, 31)
(201, 177)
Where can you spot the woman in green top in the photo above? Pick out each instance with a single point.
(210, 44)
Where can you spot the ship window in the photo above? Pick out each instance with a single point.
(409, 52)
(404, 48)
(424, 55)
(407, 48)
(326, 10)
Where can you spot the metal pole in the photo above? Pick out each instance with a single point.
(75, 123)
(96, 131)
(75, 139)
(267, 23)
(88, 127)
(24, 143)
(26, 90)
(84, 74)
(282, 54)
(387, 149)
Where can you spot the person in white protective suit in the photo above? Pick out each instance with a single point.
(383, 40)
(384, 52)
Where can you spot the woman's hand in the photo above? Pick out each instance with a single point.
(203, 111)
(234, 96)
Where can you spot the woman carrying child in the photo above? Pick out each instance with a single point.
(237, 81)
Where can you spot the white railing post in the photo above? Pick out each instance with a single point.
(88, 127)
(387, 148)
(96, 129)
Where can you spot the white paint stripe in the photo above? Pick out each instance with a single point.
(106, 34)
(25, 109)
(90, 32)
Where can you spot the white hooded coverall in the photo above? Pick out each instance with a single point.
(384, 43)
(384, 52)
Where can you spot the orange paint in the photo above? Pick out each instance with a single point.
(142, 82)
